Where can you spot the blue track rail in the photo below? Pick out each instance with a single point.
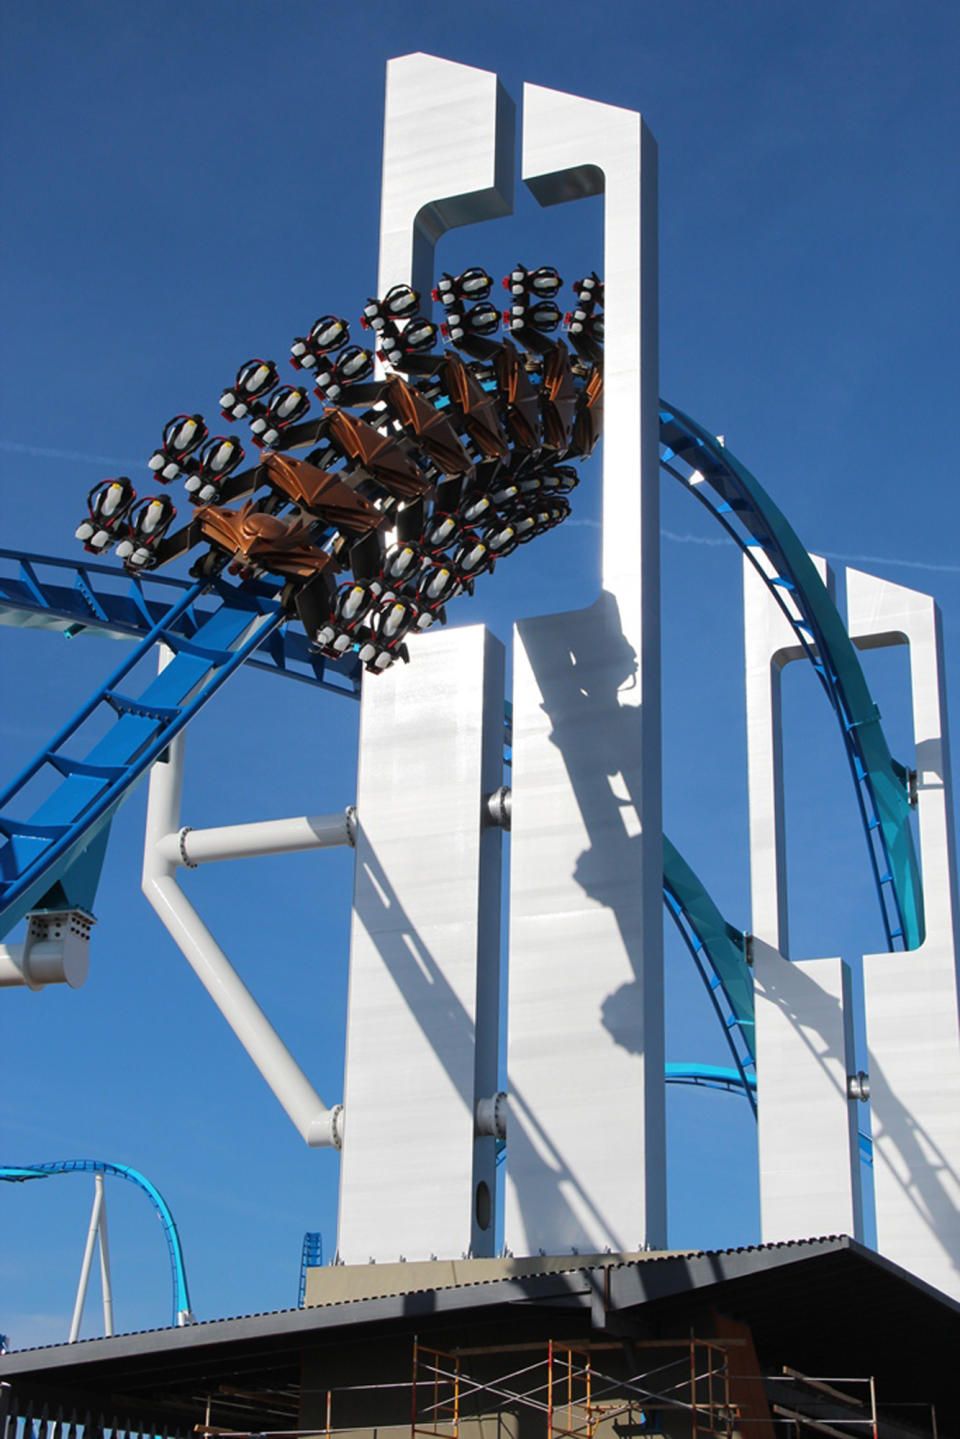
(719, 953)
(748, 514)
(41, 592)
(178, 1271)
(53, 856)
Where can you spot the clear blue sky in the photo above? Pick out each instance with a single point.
(187, 186)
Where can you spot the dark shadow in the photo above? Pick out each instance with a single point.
(582, 679)
(924, 1173)
(447, 1026)
(586, 672)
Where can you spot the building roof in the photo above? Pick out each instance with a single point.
(824, 1305)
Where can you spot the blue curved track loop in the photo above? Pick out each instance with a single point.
(881, 783)
(181, 1292)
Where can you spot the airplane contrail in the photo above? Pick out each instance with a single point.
(718, 540)
(76, 456)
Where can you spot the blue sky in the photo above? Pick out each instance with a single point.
(189, 186)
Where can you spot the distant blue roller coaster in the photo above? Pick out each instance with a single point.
(178, 1272)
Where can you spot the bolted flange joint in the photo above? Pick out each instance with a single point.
(491, 1116)
(499, 807)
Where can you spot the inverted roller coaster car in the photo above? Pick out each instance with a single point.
(219, 458)
(347, 624)
(389, 624)
(544, 282)
(519, 396)
(286, 405)
(589, 291)
(437, 584)
(352, 365)
(586, 334)
(472, 557)
(399, 303)
(471, 284)
(429, 426)
(411, 348)
(181, 437)
(147, 524)
(458, 457)
(477, 408)
(324, 495)
(108, 505)
(382, 456)
(261, 543)
(327, 334)
(558, 399)
(255, 379)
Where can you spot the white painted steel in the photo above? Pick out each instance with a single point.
(47, 964)
(808, 1141)
(913, 999)
(447, 161)
(56, 950)
(96, 1219)
(424, 958)
(808, 1145)
(771, 644)
(585, 1159)
(106, 1288)
(245, 841)
(313, 1120)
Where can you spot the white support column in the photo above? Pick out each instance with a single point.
(770, 643)
(96, 1214)
(808, 1140)
(913, 999)
(106, 1287)
(585, 1148)
(424, 958)
(447, 161)
(808, 1143)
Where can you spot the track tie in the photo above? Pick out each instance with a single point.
(123, 704)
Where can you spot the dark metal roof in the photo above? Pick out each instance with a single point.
(827, 1305)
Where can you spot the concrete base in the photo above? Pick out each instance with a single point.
(338, 1283)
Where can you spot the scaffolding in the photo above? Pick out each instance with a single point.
(566, 1385)
(691, 1386)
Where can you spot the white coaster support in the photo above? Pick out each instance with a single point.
(586, 1148)
(448, 138)
(808, 1141)
(416, 1182)
(913, 999)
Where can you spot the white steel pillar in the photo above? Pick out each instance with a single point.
(585, 1146)
(808, 1142)
(913, 1019)
(447, 161)
(424, 961)
(423, 1006)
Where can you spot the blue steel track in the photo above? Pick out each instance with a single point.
(178, 1273)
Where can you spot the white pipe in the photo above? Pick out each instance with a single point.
(87, 1259)
(316, 1123)
(106, 1288)
(245, 1017)
(241, 841)
(46, 959)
